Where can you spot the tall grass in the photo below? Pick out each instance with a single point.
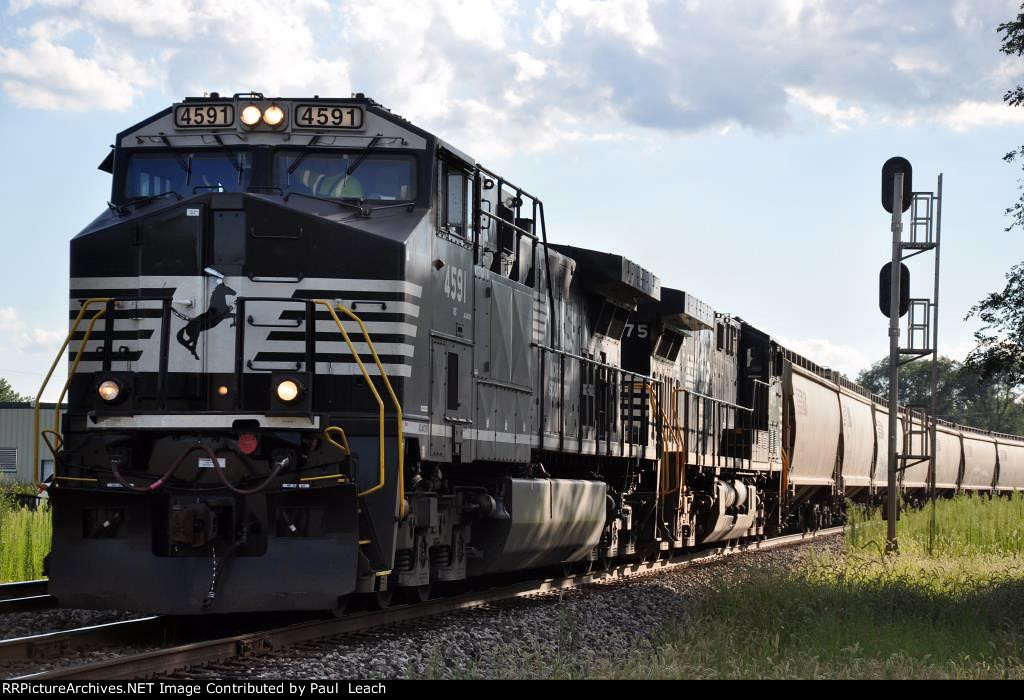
(963, 526)
(950, 605)
(24, 535)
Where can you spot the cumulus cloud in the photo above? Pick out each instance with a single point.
(973, 113)
(36, 341)
(827, 107)
(125, 48)
(498, 75)
(47, 74)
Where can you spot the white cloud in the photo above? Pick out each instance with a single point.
(200, 46)
(38, 341)
(17, 335)
(628, 20)
(45, 75)
(971, 114)
(9, 320)
(529, 68)
(499, 74)
(827, 106)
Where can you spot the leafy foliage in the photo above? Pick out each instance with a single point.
(1013, 45)
(1000, 349)
(964, 395)
(8, 394)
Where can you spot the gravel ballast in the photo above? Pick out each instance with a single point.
(535, 638)
(25, 624)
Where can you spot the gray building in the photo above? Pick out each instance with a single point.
(16, 442)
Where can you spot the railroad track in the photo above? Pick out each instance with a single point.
(52, 645)
(25, 596)
(178, 658)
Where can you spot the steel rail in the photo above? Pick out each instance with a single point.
(29, 603)
(25, 596)
(178, 658)
(54, 644)
(22, 589)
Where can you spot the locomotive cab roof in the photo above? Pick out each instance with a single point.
(296, 148)
(252, 119)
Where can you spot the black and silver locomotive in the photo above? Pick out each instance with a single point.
(316, 351)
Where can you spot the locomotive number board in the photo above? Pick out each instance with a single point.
(328, 116)
(192, 116)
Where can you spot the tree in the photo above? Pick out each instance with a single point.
(1000, 349)
(9, 395)
(964, 395)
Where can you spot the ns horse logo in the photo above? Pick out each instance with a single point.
(218, 310)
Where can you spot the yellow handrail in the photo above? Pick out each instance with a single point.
(381, 480)
(394, 400)
(74, 367)
(60, 353)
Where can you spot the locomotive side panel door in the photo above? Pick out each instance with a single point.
(450, 400)
(503, 373)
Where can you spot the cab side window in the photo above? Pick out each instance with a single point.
(456, 200)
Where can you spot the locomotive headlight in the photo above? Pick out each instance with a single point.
(288, 391)
(273, 115)
(251, 115)
(109, 390)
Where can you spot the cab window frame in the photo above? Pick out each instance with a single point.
(246, 177)
(451, 169)
(388, 154)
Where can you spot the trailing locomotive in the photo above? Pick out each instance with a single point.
(317, 351)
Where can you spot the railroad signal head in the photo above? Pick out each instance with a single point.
(885, 289)
(894, 165)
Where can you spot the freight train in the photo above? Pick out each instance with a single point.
(317, 352)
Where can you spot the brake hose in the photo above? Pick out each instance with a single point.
(244, 492)
(214, 462)
(166, 475)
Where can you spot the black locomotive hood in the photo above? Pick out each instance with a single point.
(246, 234)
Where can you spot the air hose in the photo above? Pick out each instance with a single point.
(213, 458)
(245, 492)
(166, 475)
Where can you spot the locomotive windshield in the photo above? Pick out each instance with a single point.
(156, 173)
(380, 177)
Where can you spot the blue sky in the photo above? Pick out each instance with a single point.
(733, 148)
